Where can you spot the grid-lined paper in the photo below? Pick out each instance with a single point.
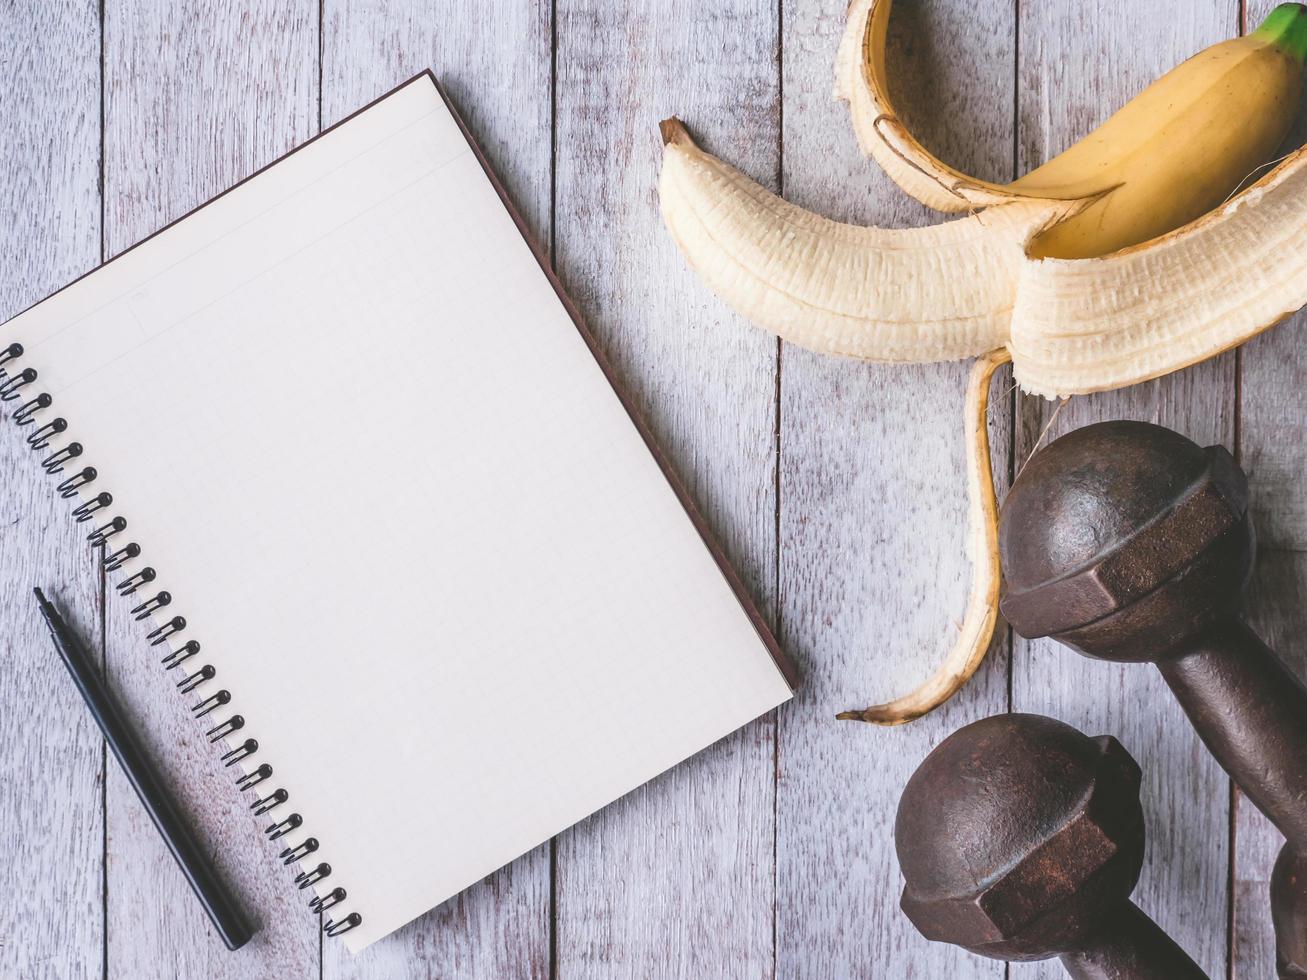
(352, 426)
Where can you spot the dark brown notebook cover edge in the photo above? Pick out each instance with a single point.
(783, 662)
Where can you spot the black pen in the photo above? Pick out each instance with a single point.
(195, 864)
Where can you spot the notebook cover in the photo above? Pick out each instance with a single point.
(783, 662)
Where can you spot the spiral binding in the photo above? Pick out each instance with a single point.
(106, 541)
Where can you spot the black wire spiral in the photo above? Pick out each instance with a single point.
(105, 540)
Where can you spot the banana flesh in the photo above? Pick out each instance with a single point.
(934, 294)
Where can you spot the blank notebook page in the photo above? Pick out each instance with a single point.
(355, 430)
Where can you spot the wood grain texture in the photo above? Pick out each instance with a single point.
(1079, 64)
(496, 67)
(676, 879)
(1273, 451)
(197, 96)
(873, 509)
(770, 855)
(51, 754)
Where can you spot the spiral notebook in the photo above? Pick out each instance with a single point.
(348, 454)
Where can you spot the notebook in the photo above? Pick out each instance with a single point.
(342, 421)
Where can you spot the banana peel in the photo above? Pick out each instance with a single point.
(977, 631)
(861, 80)
(1080, 327)
(1081, 294)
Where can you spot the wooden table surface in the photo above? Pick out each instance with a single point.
(836, 485)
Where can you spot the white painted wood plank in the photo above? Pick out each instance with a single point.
(197, 96)
(675, 880)
(495, 66)
(1079, 64)
(1273, 450)
(873, 509)
(159, 174)
(51, 753)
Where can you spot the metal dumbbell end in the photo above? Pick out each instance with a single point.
(1021, 839)
(1129, 542)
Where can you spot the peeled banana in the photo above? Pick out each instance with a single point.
(915, 294)
(1129, 256)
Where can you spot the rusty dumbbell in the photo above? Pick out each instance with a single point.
(1021, 838)
(1128, 542)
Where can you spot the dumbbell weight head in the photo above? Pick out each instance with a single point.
(1125, 540)
(1018, 835)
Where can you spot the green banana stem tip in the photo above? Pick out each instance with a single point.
(1286, 28)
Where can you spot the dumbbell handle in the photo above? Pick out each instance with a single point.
(1251, 712)
(1289, 913)
(1131, 946)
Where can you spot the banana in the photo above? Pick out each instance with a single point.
(1170, 155)
(914, 294)
(1131, 255)
(962, 288)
